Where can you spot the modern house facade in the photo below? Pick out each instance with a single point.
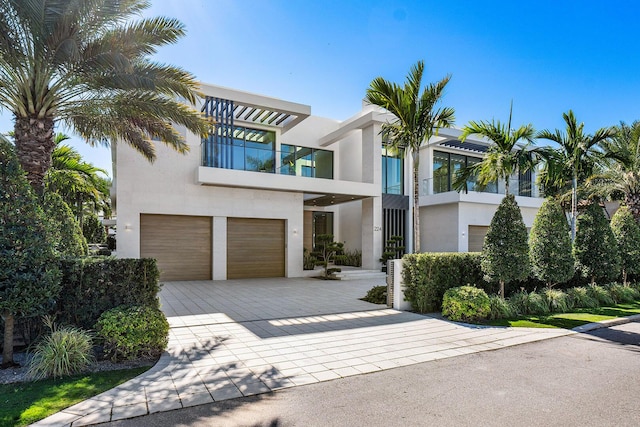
(249, 199)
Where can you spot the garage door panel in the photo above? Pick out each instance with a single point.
(255, 248)
(180, 243)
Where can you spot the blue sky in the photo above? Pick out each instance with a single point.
(546, 56)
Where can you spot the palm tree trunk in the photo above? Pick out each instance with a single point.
(506, 185)
(7, 350)
(34, 145)
(574, 205)
(632, 200)
(416, 203)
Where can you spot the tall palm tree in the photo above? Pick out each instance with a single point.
(620, 176)
(418, 118)
(505, 156)
(577, 153)
(86, 64)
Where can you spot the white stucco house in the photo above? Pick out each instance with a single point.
(246, 201)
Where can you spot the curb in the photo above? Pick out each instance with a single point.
(606, 323)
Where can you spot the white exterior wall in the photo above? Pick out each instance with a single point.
(169, 186)
(447, 217)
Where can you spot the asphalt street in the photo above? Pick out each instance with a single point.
(580, 380)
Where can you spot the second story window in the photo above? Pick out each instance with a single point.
(304, 161)
(241, 148)
(392, 171)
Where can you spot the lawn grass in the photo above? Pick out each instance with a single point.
(578, 317)
(24, 403)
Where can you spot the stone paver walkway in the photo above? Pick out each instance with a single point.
(240, 338)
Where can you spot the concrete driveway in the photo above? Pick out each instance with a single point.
(240, 338)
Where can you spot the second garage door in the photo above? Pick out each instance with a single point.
(180, 243)
(255, 248)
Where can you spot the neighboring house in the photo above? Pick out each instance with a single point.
(246, 201)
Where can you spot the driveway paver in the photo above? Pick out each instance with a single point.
(245, 337)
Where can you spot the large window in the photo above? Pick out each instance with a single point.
(392, 171)
(241, 148)
(303, 161)
(447, 166)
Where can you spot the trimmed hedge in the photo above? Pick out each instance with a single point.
(427, 276)
(91, 286)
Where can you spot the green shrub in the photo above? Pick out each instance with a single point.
(579, 297)
(132, 332)
(29, 275)
(376, 295)
(524, 303)
(500, 308)
(466, 304)
(68, 237)
(427, 276)
(349, 258)
(92, 286)
(600, 294)
(622, 294)
(93, 229)
(550, 245)
(627, 234)
(64, 351)
(505, 252)
(556, 300)
(595, 247)
(309, 262)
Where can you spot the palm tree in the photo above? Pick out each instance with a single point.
(417, 119)
(620, 177)
(79, 183)
(577, 153)
(84, 64)
(505, 156)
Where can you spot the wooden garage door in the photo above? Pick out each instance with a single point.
(255, 248)
(180, 243)
(476, 237)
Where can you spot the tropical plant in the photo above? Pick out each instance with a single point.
(524, 303)
(600, 294)
(67, 235)
(29, 276)
(627, 234)
(556, 300)
(595, 248)
(505, 252)
(418, 118)
(86, 64)
(507, 154)
(622, 294)
(620, 177)
(64, 351)
(500, 308)
(580, 297)
(79, 183)
(577, 155)
(550, 245)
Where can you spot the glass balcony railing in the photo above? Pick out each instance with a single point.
(299, 161)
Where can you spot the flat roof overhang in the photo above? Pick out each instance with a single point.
(249, 108)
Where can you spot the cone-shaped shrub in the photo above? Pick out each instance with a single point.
(627, 233)
(595, 247)
(550, 245)
(505, 253)
(65, 229)
(29, 276)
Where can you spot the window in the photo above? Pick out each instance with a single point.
(392, 171)
(240, 148)
(304, 161)
(446, 167)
